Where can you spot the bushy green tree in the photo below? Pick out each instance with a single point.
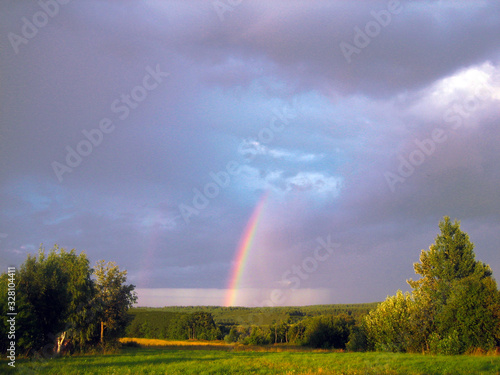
(462, 290)
(232, 336)
(278, 331)
(51, 288)
(296, 333)
(257, 336)
(358, 339)
(58, 301)
(114, 298)
(454, 306)
(201, 325)
(328, 331)
(388, 326)
(81, 320)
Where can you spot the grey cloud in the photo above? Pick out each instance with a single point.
(227, 79)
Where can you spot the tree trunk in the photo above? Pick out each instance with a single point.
(60, 341)
(102, 332)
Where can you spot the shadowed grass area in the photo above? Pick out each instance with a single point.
(149, 360)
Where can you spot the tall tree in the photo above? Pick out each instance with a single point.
(201, 325)
(49, 288)
(454, 306)
(115, 298)
(459, 294)
(450, 258)
(80, 321)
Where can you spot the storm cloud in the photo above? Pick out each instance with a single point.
(147, 133)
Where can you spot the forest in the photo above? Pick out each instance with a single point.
(300, 325)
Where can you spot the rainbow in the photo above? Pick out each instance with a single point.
(244, 247)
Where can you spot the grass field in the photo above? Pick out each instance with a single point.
(216, 358)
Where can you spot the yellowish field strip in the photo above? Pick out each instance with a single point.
(221, 345)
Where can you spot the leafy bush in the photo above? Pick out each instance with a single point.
(358, 340)
(232, 336)
(257, 337)
(328, 331)
(388, 327)
(450, 345)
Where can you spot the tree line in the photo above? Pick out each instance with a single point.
(323, 331)
(63, 303)
(165, 325)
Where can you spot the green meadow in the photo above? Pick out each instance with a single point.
(264, 360)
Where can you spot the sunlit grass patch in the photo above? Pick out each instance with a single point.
(177, 344)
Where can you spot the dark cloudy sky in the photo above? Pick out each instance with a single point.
(362, 122)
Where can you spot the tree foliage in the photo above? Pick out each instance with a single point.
(453, 308)
(50, 288)
(322, 331)
(114, 298)
(168, 325)
(388, 325)
(328, 331)
(201, 325)
(58, 301)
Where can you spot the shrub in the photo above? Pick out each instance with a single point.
(358, 341)
(232, 336)
(131, 344)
